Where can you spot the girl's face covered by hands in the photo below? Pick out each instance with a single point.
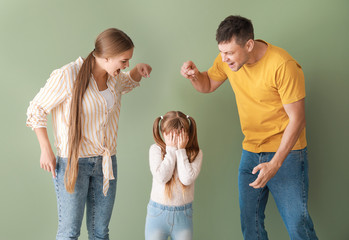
(176, 138)
(170, 138)
(183, 139)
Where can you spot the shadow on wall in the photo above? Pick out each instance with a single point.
(327, 133)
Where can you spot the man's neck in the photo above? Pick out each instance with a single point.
(259, 49)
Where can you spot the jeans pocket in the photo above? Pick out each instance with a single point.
(61, 164)
(154, 211)
(189, 212)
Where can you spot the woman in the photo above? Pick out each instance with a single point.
(84, 98)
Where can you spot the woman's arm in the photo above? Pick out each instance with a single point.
(47, 158)
(139, 71)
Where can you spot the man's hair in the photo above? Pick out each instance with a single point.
(235, 26)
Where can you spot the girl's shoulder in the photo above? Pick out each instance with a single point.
(155, 147)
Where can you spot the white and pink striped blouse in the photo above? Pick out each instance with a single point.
(99, 125)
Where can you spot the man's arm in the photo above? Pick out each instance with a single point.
(296, 114)
(200, 80)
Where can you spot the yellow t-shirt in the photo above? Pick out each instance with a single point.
(260, 90)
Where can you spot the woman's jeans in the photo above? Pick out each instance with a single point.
(163, 221)
(89, 192)
(289, 188)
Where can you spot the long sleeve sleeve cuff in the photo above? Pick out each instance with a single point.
(36, 116)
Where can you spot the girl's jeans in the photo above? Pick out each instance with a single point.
(163, 221)
(289, 188)
(88, 191)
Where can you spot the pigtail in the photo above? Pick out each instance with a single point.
(160, 142)
(157, 137)
(192, 145)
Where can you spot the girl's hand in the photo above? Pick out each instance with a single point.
(171, 139)
(143, 69)
(183, 139)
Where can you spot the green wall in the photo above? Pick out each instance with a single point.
(40, 36)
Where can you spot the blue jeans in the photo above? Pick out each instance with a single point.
(289, 188)
(163, 221)
(88, 191)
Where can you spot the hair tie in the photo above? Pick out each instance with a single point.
(161, 117)
(188, 116)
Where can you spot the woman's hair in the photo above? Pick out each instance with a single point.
(176, 120)
(109, 43)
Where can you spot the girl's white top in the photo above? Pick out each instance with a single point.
(175, 163)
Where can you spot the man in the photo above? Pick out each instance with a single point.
(269, 89)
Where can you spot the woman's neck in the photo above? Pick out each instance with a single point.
(100, 75)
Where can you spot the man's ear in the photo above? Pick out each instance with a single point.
(249, 45)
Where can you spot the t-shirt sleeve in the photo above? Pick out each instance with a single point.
(290, 82)
(216, 72)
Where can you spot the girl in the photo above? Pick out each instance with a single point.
(84, 98)
(175, 162)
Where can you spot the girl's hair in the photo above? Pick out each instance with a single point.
(176, 120)
(109, 43)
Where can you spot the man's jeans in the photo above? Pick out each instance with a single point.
(289, 188)
(89, 192)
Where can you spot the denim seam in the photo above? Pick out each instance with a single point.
(260, 160)
(93, 211)
(304, 194)
(257, 212)
(172, 225)
(58, 199)
(257, 207)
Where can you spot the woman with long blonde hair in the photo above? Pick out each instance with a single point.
(84, 99)
(175, 162)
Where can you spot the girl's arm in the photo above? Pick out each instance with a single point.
(188, 172)
(162, 170)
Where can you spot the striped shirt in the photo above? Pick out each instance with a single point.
(99, 125)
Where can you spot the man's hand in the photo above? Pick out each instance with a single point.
(189, 70)
(266, 172)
